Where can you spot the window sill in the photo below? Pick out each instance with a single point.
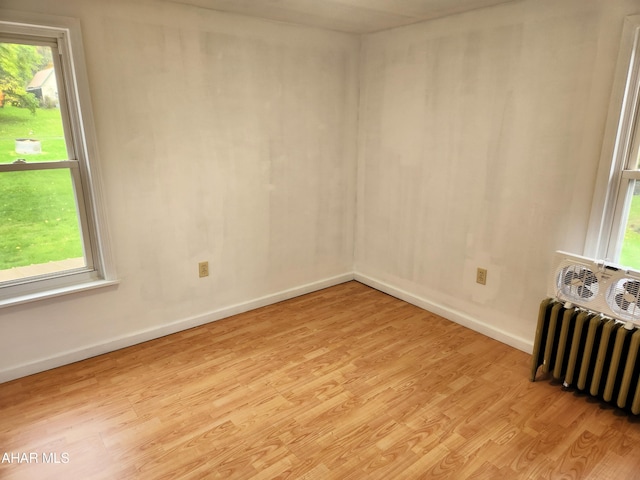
(56, 292)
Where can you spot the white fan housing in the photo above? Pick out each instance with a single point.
(598, 286)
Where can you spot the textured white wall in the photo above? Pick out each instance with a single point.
(221, 138)
(479, 144)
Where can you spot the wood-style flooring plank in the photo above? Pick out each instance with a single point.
(344, 383)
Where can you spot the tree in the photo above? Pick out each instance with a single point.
(18, 65)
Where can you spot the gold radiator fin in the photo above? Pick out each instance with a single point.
(635, 405)
(551, 334)
(575, 347)
(614, 362)
(629, 368)
(565, 329)
(594, 325)
(540, 332)
(607, 328)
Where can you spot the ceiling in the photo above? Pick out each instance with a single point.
(351, 16)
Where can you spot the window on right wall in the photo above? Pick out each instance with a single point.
(615, 218)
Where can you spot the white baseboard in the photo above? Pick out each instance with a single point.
(190, 322)
(145, 335)
(448, 313)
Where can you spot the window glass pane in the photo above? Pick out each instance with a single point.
(630, 253)
(39, 229)
(31, 125)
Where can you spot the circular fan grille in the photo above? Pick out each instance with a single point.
(578, 283)
(623, 298)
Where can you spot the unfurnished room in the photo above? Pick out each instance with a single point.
(319, 239)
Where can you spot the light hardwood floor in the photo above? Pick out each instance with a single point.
(345, 383)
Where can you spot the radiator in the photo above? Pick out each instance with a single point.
(589, 352)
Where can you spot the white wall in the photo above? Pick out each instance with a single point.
(480, 138)
(221, 138)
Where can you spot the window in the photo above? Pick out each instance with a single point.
(51, 231)
(616, 215)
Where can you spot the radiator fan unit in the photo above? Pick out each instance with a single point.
(623, 297)
(577, 280)
(597, 286)
(579, 283)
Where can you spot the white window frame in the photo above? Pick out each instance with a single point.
(82, 160)
(616, 175)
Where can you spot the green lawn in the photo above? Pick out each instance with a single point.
(630, 255)
(45, 126)
(38, 219)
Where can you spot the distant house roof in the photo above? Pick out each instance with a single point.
(40, 78)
